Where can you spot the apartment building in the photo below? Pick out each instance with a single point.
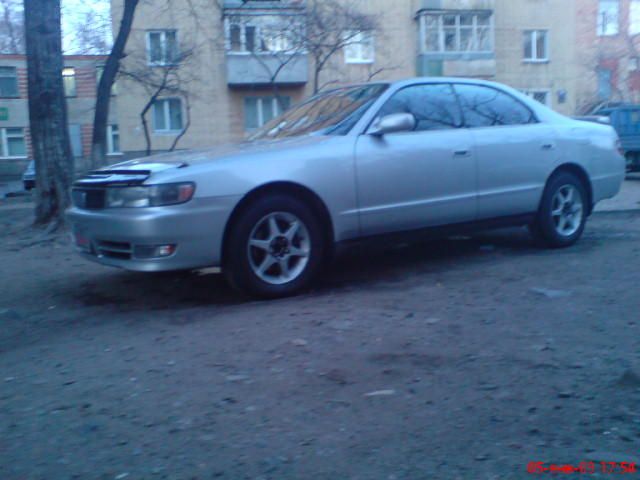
(609, 57)
(80, 76)
(234, 46)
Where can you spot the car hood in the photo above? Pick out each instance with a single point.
(185, 158)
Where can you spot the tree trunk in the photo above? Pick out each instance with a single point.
(99, 141)
(48, 110)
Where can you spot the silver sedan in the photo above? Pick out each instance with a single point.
(351, 163)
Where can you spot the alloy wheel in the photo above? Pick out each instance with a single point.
(567, 210)
(279, 247)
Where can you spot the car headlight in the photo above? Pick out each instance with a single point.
(149, 196)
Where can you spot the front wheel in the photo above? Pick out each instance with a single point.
(275, 248)
(563, 212)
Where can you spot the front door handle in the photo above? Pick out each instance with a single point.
(547, 146)
(461, 153)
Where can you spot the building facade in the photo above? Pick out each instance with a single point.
(241, 69)
(80, 76)
(608, 32)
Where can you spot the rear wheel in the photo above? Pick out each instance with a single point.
(563, 212)
(275, 248)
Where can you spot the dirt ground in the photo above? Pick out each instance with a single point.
(464, 358)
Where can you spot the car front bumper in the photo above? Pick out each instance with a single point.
(115, 236)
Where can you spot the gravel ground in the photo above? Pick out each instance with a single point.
(463, 358)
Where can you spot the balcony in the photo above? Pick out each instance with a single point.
(264, 43)
(259, 69)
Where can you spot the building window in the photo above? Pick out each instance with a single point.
(264, 34)
(542, 96)
(162, 47)
(634, 17)
(99, 72)
(457, 32)
(8, 82)
(69, 81)
(536, 46)
(605, 79)
(167, 115)
(359, 47)
(12, 143)
(113, 140)
(608, 17)
(260, 110)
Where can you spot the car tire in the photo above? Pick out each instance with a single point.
(562, 214)
(275, 248)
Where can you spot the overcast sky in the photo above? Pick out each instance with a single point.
(74, 13)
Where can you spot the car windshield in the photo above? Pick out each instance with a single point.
(331, 113)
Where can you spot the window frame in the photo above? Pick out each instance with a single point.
(601, 29)
(15, 78)
(110, 142)
(275, 109)
(4, 143)
(253, 21)
(441, 31)
(99, 73)
(530, 92)
(534, 116)
(166, 101)
(360, 47)
(74, 94)
(533, 36)
(163, 47)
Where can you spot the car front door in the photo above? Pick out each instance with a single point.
(420, 178)
(514, 151)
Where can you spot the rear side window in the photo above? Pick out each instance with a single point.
(488, 107)
(434, 106)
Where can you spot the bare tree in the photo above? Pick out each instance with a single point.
(48, 110)
(11, 26)
(109, 73)
(166, 79)
(332, 26)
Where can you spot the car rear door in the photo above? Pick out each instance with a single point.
(422, 178)
(514, 151)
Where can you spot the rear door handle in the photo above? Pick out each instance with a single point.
(547, 146)
(461, 153)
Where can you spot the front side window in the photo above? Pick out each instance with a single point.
(453, 32)
(608, 17)
(167, 115)
(434, 106)
(261, 110)
(113, 140)
(12, 143)
(8, 82)
(536, 48)
(162, 47)
(69, 81)
(359, 47)
(487, 107)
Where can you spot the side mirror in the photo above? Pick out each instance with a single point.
(396, 122)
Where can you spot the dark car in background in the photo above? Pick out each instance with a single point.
(625, 119)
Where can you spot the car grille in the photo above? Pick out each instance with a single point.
(89, 198)
(119, 250)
